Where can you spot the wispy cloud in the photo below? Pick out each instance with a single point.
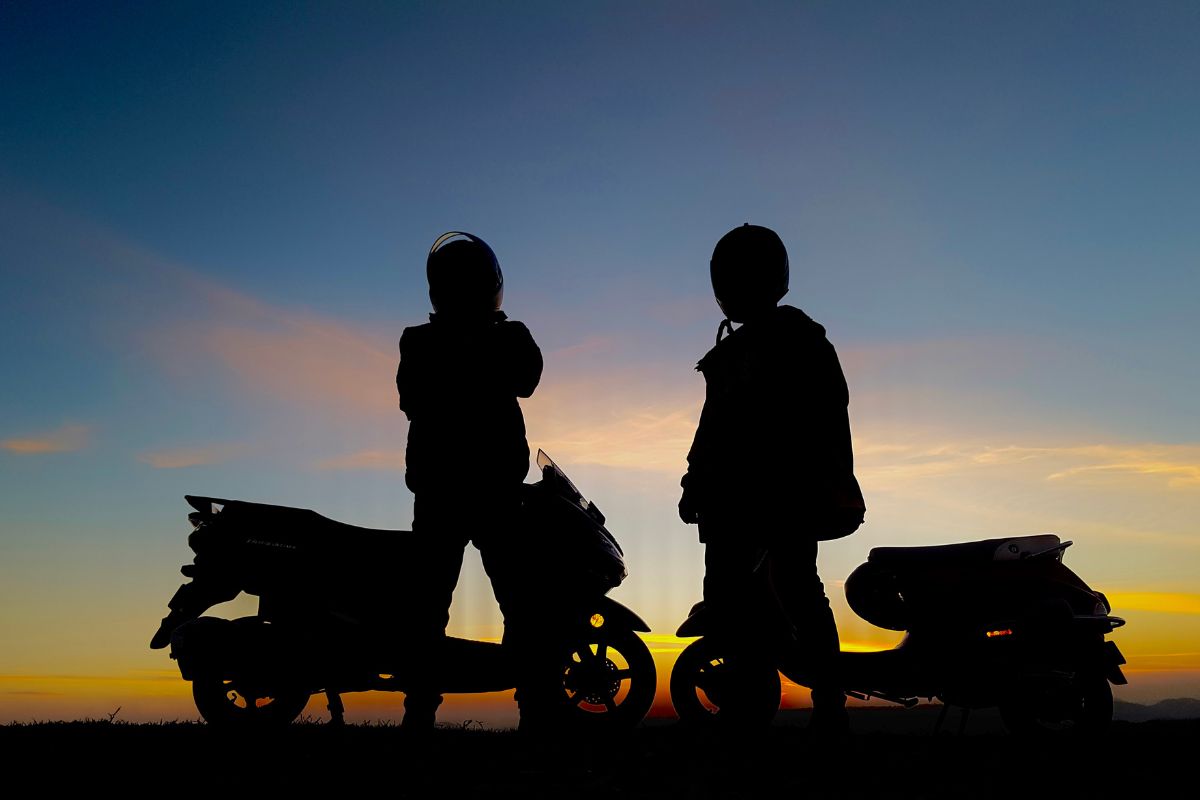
(62, 440)
(308, 361)
(617, 424)
(295, 359)
(180, 457)
(1176, 466)
(365, 459)
(641, 416)
(630, 418)
(1154, 461)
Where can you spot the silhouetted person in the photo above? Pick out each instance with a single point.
(771, 465)
(459, 378)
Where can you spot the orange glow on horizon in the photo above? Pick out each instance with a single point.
(1161, 602)
(153, 694)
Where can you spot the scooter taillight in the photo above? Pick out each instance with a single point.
(998, 633)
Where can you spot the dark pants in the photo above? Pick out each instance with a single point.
(443, 525)
(747, 583)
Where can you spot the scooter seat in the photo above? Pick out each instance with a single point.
(965, 553)
(285, 515)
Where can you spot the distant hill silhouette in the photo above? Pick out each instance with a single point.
(1174, 708)
(923, 718)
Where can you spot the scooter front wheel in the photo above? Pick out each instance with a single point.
(710, 684)
(224, 704)
(608, 678)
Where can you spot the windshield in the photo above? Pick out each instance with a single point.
(551, 470)
(559, 483)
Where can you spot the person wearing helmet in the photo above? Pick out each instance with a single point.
(459, 378)
(770, 471)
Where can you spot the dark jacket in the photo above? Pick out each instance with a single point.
(774, 435)
(459, 380)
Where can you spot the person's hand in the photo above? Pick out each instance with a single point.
(687, 509)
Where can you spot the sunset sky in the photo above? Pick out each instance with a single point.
(213, 222)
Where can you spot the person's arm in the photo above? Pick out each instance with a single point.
(836, 402)
(523, 358)
(407, 382)
(699, 457)
(814, 433)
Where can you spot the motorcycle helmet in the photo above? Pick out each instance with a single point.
(464, 275)
(749, 271)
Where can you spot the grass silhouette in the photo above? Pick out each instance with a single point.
(666, 760)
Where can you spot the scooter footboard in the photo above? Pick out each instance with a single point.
(887, 674)
(886, 670)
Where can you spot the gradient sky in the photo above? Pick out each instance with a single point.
(213, 220)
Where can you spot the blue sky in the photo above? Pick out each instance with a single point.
(213, 219)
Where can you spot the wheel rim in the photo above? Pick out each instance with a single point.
(608, 677)
(711, 684)
(246, 703)
(222, 701)
(707, 687)
(597, 677)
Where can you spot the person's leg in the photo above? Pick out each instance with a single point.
(529, 621)
(744, 621)
(792, 566)
(430, 575)
(733, 592)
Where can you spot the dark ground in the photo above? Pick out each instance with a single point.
(659, 760)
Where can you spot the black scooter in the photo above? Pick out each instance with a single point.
(328, 610)
(994, 623)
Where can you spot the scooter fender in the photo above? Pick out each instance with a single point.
(696, 624)
(616, 614)
(209, 645)
(203, 644)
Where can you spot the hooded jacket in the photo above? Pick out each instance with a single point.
(459, 380)
(774, 434)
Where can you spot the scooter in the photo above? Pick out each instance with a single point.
(993, 623)
(328, 612)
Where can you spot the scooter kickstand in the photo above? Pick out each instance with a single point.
(337, 711)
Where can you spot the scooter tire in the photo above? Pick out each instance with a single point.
(1091, 711)
(710, 688)
(599, 691)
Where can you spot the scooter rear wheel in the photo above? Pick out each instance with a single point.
(1085, 706)
(223, 703)
(711, 686)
